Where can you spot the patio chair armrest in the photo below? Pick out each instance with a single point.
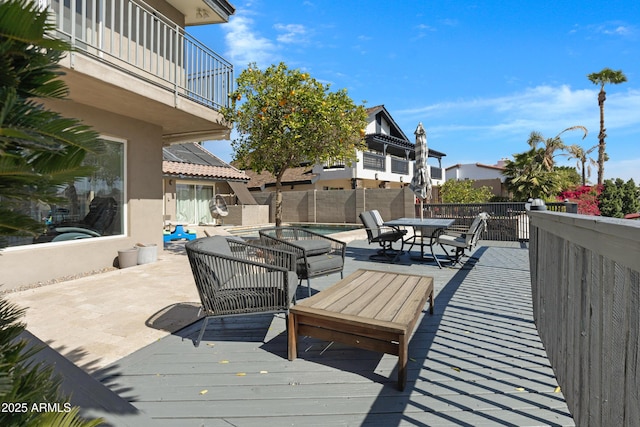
(289, 238)
(281, 245)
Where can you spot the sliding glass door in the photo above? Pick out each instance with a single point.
(192, 203)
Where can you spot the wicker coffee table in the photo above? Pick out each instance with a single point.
(374, 310)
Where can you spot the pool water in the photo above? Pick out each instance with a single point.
(327, 229)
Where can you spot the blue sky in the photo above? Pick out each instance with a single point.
(479, 75)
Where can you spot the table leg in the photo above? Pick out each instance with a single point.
(292, 336)
(431, 302)
(402, 361)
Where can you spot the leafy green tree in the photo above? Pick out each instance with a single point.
(619, 198)
(583, 161)
(567, 177)
(40, 151)
(605, 76)
(630, 197)
(462, 191)
(284, 118)
(611, 198)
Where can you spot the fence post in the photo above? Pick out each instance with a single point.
(361, 205)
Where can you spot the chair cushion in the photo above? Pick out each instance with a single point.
(319, 265)
(390, 236)
(215, 244)
(457, 241)
(313, 246)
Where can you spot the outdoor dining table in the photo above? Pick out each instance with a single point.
(435, 225)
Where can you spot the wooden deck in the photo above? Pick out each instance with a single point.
(477, 361)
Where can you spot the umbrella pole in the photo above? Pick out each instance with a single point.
(421, 209)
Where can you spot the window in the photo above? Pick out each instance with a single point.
(192, 203)
(90, 207)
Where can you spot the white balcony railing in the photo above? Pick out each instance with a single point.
(138, 39)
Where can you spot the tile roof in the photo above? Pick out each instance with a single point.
(291, 176)
(193, 160)
(202, 171)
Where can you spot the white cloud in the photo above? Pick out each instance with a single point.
(246, 46)
(547, 109)
(494, 127)
(291, 33)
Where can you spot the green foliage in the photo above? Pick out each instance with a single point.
(25, 383)
(453, 191)
(533, 174)
(583, 161)
(527, 177)
(285, 117)
(40, 151)
(619, 198)
(630, 197)
(568, 177)
(611, 199)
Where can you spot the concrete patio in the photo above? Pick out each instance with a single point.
(477, 361)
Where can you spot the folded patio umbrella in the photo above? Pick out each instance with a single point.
(421, 181)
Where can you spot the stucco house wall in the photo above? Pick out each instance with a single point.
(143, 108)
(30, 264)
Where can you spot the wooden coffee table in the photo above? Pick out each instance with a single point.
(374, 310)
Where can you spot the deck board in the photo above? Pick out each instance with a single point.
(477, 361)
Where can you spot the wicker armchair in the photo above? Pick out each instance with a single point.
(237, 278)
(316, 254)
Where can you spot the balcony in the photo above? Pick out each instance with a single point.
(142, 57)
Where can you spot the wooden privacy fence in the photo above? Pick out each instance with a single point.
(585, 278)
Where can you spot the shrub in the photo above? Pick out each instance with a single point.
(587, 198)
(25, 386)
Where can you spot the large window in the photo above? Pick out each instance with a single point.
(90, 207)
(192, 203)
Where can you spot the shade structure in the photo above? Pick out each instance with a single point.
(421, 181)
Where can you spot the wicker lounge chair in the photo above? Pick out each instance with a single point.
(237, 278)
(316, 254)
(385, 236)
(467, 239)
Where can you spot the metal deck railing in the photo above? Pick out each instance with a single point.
(508, 221)
(138, 39)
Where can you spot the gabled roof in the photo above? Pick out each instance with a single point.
(397, 142)
(191, 160)
(480, 165)
(395, 129)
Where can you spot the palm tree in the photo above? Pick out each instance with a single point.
(551, 145)
(606, 75)
(528, 177)
(584, 162)
(40, 151)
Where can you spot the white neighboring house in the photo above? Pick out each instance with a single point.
(489, 175)
(475, 171)
(387, 162)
